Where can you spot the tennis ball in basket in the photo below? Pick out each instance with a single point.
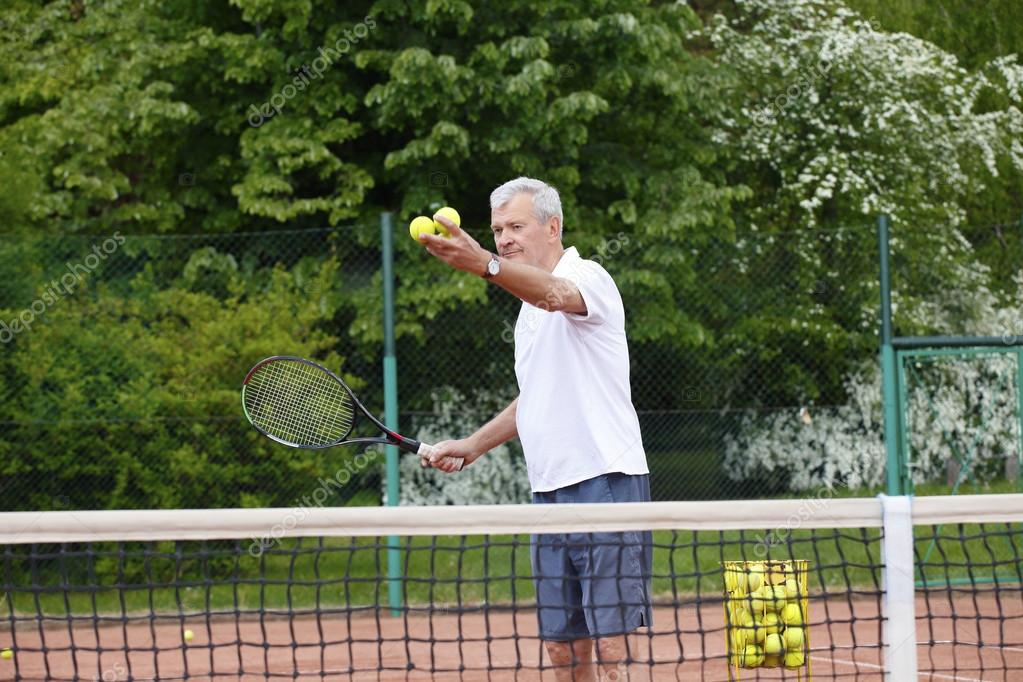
(760, 632)
(449, 213)
(741, 637)
(6, 654)
(739, 582)
(792, 588)
(752, 656)
(772, 645)
(755, 578)
(792, 614)
(794, 659)
(772, 661)
(189, 635)
(794, 638)
(756, 603)
(421, 225)
(779, 594)
(771, 623)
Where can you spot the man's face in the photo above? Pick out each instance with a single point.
(518, 235)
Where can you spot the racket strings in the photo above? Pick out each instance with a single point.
(299, 403)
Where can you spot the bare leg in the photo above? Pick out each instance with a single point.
(620, 660)
(573, 661)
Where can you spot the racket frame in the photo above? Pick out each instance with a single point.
(390, 437)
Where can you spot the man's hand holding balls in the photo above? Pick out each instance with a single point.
(423, 225)
(444, 239)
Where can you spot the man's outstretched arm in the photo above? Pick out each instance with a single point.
(498, 430)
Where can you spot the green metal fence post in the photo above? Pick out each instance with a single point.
(390, 407)
(1019, 415)
(889, 381)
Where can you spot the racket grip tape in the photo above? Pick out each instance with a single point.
(425, 450)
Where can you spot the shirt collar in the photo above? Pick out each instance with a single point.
(568, 259)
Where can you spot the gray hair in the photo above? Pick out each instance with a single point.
(546, 201)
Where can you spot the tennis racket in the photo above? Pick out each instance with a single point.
(299, 403)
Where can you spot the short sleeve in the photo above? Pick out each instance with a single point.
(603, 302)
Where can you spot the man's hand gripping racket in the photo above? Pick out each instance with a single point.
(299, 403)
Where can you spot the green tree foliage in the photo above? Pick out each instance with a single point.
(184, 117)
(127, 391)
(977, 33)
(982, 36)
(720, 223)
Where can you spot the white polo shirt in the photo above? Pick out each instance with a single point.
(575, 416)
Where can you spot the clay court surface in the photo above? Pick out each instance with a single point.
(688, 644)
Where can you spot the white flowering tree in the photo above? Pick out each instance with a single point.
(832, 122)
(960, 410)
(843, 120)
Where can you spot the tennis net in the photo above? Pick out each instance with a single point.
(885, 588)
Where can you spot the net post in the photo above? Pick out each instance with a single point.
(390, 405)
(889, 383)
(899, 584)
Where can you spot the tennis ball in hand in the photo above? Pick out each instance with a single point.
(449, 213)
(421, 225)
(6, 654)
(189, 635)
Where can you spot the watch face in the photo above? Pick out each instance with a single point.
(494, 266)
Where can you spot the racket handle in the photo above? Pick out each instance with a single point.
(425, 450)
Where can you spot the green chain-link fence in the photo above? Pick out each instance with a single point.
(122, 357)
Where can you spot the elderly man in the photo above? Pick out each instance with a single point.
(575, 418)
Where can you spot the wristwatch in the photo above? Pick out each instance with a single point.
(493, 267)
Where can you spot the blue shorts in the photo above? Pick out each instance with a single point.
(592, 585)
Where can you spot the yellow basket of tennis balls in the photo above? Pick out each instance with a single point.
(766, 616)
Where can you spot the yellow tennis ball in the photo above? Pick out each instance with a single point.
(779, 594)
(792, 614)
(6, 654)
(756, 577)
(756, 603)
(794, 638)
(794, 659)
(449, 213)
(189, 635)
(771, 623)
(772, 645)
(772, 661)
(792, 588)
(421, 225)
